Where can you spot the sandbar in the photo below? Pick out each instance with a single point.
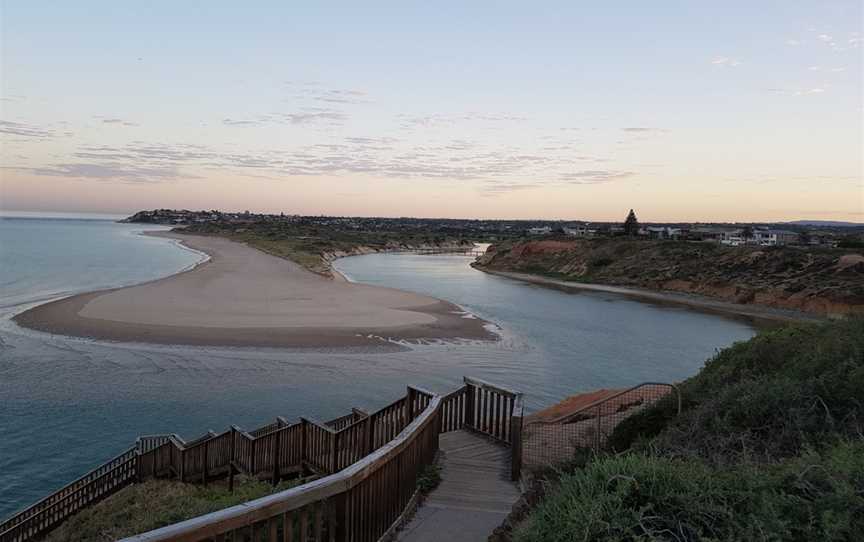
(244, 297)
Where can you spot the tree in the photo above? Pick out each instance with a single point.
(631, 225)
(747, 233)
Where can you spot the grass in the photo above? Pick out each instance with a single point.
(769, 446)
(143, 507)
(429, 479)
(635, 497)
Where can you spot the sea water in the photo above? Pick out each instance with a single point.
(67, 404)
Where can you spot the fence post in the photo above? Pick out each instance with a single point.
(469, 405)
(302, 442)
(231, 458)
(204, 467)
(276, 436)
(370, 435)
(410, 406)
(516, 439)
(597, 430)
(335, 450)
(183, 465)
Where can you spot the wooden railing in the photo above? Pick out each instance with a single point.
(361, 503)
(282, 448)
(50, 511)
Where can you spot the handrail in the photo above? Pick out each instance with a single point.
(567, 417)
(279, 448)
(478, 383)
(249, 513)
(63, 491)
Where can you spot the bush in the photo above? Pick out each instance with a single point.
(638, 497)
(765, 399)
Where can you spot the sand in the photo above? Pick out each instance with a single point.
(245, 297)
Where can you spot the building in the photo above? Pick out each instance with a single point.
(773, 238)
(545, 230)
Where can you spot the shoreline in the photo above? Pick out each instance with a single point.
(241, 296)
(707, 304)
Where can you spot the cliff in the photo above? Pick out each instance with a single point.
(820, 281)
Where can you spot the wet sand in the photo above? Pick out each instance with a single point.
(244, 297)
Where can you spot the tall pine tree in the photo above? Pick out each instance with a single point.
(631, 225)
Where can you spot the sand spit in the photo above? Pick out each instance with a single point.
(244, 297)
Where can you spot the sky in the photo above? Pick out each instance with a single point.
(683, 110)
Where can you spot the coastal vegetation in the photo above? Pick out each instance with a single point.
(769, 446)
(824, 281)
(155, 503)
(314, 246)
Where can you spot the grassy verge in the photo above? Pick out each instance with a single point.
(153, 504)
(769, 447)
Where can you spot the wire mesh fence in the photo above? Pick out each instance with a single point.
(550, 443)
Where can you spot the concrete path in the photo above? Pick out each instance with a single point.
(475, 494)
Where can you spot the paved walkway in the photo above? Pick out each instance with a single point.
(475, 494)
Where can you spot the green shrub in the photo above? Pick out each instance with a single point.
(765, 398)
(637, 497)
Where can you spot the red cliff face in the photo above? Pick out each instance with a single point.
(822, 281)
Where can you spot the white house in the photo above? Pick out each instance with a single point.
(545, 230)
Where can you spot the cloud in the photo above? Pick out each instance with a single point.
(118, 121)
(595, 176)
(312, 90)
(426, 121)
(307, 116)
(792, 43)
(725, 62)
(642, 129)
(316, 115)
(798, 92)
(24, 130)
(106, 172)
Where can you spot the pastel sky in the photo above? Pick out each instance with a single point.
(683, 110)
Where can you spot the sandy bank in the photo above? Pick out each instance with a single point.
(244, 297)
(698, 302)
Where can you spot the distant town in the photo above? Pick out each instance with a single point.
(800, 233)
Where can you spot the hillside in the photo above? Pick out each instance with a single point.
(821, 281)
(769, 446)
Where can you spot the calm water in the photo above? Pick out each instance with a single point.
(68, 404)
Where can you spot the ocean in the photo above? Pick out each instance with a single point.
(67, 404)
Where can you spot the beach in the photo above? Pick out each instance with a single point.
(244, 297)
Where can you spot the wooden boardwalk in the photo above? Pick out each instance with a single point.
(475, 494)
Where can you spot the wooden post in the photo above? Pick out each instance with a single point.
(370, 435)
(182, 465)
(302, 442)
(338, 517)
(204, 467)
(516, 439)
(276, 437)
(231, 460)
(410, 406)
(469, 406)
(334, 465)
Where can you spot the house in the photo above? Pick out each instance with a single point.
(545, 230)
(732, 237)
(661, 232)
(773, 238)
(581, 230)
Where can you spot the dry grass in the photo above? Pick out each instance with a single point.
(153, 504)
